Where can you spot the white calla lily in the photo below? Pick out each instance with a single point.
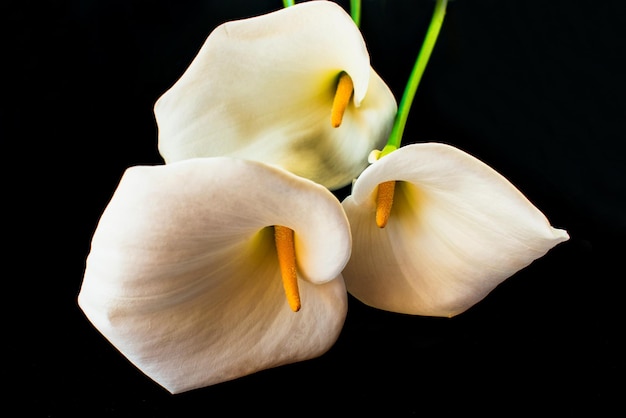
(457, 229)
(263, 88)
(183, 276)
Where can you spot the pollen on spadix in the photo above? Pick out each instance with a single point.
(285, 248)
(384, 202)
(343, 93)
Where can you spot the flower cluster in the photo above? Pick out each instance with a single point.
(235, 255)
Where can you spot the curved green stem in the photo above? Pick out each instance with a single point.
(355, 11)
(432, 33)
(288, 3)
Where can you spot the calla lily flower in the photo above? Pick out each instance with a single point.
(185, 269)
(292, 88)
(456, 229)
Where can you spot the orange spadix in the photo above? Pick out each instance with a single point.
(285, 248)
(343, 93)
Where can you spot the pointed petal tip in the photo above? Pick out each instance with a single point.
(562, 235)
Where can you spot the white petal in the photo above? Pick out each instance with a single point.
(262, 89)
(457, 229)
(183, 276)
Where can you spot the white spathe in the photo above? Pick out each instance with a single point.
(262, 89)
(183, 276)
(457, 229)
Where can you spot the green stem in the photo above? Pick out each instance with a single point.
(288, 3)
(355, 11)
(414, 79)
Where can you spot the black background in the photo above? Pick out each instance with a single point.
(533, 88)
